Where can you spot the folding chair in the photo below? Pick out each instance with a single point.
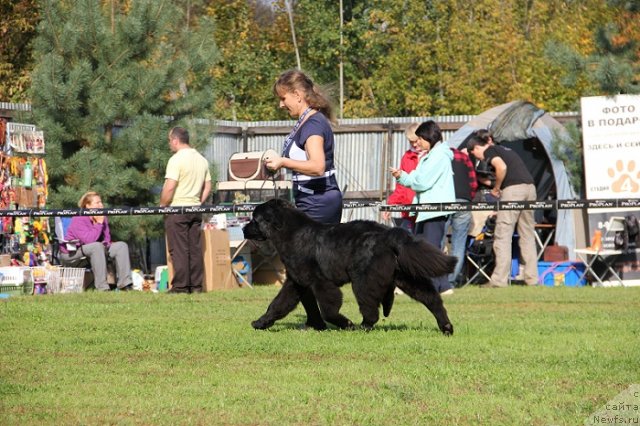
(61, 226)
(480, 256)
(479, 253)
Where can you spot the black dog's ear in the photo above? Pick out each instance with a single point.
(274, 214)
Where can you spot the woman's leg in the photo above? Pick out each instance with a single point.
(119, 252)
(97, 254)
(432, 231)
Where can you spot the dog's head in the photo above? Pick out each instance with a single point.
(268, 218)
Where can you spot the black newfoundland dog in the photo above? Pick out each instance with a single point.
(320, 258)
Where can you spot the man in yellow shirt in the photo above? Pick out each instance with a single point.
(187, 183)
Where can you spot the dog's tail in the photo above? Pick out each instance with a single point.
(417, 258)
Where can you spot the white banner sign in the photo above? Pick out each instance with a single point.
(611, 146)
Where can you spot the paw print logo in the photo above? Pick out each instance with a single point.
(624, 179)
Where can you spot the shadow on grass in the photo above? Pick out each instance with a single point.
(297, 323)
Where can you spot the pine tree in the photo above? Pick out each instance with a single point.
(110, 80)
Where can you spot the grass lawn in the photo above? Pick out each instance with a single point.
(519, 356)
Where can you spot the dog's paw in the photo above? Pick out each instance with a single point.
(366, 327)
(260, 324)
(447, 329)
(349, 326)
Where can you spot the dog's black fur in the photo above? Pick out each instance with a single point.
(320, 258)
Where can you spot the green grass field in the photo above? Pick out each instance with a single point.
(519, 356)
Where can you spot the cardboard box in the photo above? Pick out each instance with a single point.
(5, 260)
(217, 260)
(218, 274)
(268, 269)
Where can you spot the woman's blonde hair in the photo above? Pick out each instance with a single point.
(297, 80)
(86, 198)
(410, 131)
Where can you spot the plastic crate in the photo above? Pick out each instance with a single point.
(15, 280)
(561, 274)
(12, 289)
(12, 275)
(65, 280)
(71, 280)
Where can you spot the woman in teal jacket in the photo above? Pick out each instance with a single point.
(432, 181)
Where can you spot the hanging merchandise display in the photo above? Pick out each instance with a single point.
(23, 185)
(24, 138)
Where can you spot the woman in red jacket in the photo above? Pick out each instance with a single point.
(402, 194)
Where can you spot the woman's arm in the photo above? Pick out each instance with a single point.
(501, 172)
(313, 166)
(84, 230)
(106, 233)
(428, 173)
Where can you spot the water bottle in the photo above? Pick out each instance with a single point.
(27, 175)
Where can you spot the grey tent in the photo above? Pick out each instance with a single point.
(530, 131)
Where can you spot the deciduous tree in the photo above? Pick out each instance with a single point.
(18, 21)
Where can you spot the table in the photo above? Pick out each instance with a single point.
(607, 257)
(277, 189)
(235, 185)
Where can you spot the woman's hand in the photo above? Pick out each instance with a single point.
(395, 172)
(274, 163)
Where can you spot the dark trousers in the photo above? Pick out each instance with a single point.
(185, 248)
(432, 231)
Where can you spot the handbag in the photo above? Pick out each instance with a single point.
(245, 166)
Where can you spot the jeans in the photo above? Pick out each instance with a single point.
(460, 223)
(432, 231)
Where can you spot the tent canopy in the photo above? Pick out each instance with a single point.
(531, 132)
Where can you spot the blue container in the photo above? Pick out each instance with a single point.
(554, 274)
